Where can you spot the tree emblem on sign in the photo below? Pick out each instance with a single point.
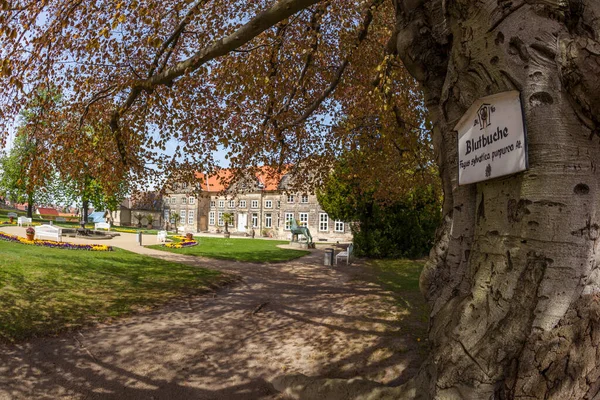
(488, 171)
(484, 116)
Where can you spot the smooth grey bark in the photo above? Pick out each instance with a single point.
(513, 280)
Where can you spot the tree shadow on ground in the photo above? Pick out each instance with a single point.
(298, 317)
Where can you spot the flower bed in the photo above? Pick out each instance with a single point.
(15, 223)
(51, 243)
(123, 230)
(182, 242)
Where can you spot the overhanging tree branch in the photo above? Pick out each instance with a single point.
(174, 37)
(279, 11)
(362, 34)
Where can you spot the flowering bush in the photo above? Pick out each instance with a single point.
(30, 231)
(181, 242)
(51, 243)
(15, 223)
(124, 230)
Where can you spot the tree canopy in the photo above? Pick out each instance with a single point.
(152, 86)
(383, 226)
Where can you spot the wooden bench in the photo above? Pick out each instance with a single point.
(23, 220)
(345, 254)
(48, 231)
(161, 236)
(102, 225)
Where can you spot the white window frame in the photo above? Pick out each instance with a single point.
(191, 200)
(303, 219)
(221, 203)
(304, 199)
(191, 217)
(254, 204)
(220, 221)
(268, 203)
(173, 200)
(339, 226)
(268, 220)
(213, 203)
(290, 198)
(255, 220)
(323, 222)
(182, 217)
(288, 217)
(184, 200)
(242, 203)
(231, 203)
(211, 218)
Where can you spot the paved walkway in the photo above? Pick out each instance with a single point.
(294, 317)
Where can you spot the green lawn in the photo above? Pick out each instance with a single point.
(247, 250)
(44, 291)
(401, 277)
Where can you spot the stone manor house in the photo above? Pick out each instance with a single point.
(259, 203)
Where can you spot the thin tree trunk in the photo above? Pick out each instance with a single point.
(29, 205)
(85, 211)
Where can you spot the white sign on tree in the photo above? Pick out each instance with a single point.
(492, 140)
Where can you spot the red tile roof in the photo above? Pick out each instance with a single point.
(216, 182)
(267, 176)
(47, 211)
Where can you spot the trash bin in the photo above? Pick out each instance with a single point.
(328, 257)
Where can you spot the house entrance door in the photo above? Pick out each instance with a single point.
(203, 223)
(242, 222)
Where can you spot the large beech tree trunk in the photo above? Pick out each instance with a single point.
(513, 281)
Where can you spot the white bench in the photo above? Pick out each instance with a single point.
(11, 214)
(61, 219)
(345, 254)
(161, 237)
(102, 225)
(48, 231)
(23, 220)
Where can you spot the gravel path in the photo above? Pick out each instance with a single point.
(294, 317)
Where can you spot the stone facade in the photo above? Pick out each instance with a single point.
(188, 205)
(255, 207)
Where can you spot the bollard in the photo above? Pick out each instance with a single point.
(328, 261)
(139, 238)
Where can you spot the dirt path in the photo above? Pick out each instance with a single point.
(295, 317)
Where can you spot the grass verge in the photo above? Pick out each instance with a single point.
(44, 291)
(246, 250)
(401, 277)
